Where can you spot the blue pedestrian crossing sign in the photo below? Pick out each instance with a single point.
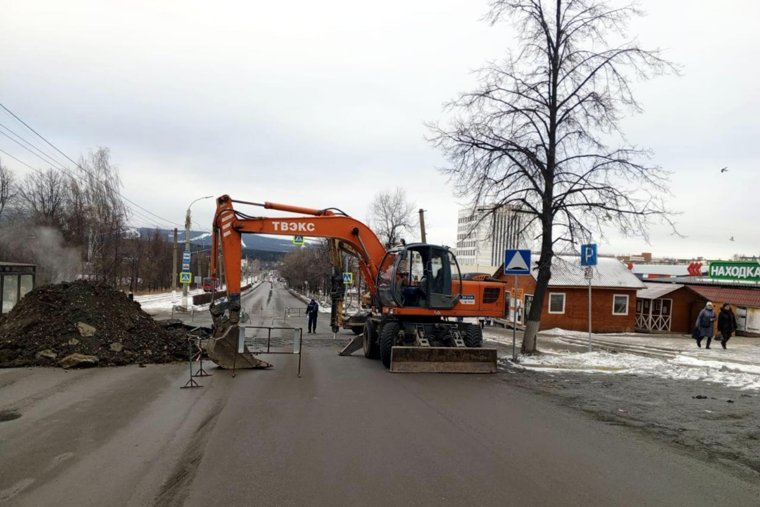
(185, 277)
(588, 254)
(348, 278)
(517, 262)
(298, 240)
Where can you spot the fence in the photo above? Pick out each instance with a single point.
(245, 340)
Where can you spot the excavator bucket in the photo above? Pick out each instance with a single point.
(442, 360)
(224, 350)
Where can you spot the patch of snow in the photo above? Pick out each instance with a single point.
(732, 374)
(204, 235)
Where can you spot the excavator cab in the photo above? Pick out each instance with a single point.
(419, 275)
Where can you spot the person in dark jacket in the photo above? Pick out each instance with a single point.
(726, 324)
(705, 325)
(312, 310)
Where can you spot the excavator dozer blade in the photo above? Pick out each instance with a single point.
(223, 350)
(442, 360)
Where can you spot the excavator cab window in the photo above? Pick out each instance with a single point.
(442, 278)
(419, 275)
(386, 280)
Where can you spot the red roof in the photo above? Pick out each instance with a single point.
(738, 297)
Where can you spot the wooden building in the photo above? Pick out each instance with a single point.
(674, 307)
(566, 305)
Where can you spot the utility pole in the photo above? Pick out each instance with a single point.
(188, 221)
(422, 226)
(187, 250)
(200, 271)
(174, 263)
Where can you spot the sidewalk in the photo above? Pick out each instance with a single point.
(668, 356)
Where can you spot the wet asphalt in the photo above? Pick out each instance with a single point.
(346, 432)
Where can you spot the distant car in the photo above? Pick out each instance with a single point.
(210, 284)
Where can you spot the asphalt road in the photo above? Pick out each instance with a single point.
(346, 433)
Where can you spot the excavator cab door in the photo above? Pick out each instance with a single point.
(419, 275)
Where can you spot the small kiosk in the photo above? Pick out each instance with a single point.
(15, 281)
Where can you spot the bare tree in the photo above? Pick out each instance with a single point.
(542, 130)
(307, 266)
(391, 215)
(96, 194)
(43, 194)
(7, 187)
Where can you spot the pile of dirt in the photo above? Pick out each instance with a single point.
(85, 324)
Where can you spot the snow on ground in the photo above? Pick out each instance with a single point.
(164, 301)
(682, 367)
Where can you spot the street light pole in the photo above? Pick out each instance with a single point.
(188, 221)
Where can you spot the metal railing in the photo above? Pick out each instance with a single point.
(297, 341)
(294, 312)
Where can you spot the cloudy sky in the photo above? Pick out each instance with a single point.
(323, 104)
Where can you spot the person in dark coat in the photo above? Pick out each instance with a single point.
(705, 325)
(312, 310)
(726, 324)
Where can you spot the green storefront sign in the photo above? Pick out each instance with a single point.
(744, 271)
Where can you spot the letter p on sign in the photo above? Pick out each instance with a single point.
(588, 255)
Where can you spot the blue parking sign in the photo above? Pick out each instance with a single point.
(588, 254)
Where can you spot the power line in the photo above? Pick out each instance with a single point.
(82, 168)
(19, 160)
(146, 218)
(27, 149)
(48, 158)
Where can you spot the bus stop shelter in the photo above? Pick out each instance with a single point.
(15, 281)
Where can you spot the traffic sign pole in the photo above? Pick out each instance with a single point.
(516, 262)
(514, 322)
(589, 259)
(589, 314)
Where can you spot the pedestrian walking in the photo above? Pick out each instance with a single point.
(312, 310)
(726, 324)
(704, 325)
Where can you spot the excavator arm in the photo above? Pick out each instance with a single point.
(229, 225)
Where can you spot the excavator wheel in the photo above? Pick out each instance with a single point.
(473, 336)
(371, 348)
(388, 337)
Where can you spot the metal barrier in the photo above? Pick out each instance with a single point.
(297, 342)
(194, 353)
(294, 312)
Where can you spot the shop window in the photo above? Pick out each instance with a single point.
(27, 284)
(10, 292)
(556, 302)
(620, 304)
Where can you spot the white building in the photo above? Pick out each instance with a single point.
(481, 241)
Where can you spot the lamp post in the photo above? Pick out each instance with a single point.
(187, 244)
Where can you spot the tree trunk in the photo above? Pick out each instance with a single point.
(542, 283)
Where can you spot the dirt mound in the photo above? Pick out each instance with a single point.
(81, 319)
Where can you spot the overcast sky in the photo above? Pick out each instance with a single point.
(323, 104)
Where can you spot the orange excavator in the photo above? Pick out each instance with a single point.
(419, 299)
